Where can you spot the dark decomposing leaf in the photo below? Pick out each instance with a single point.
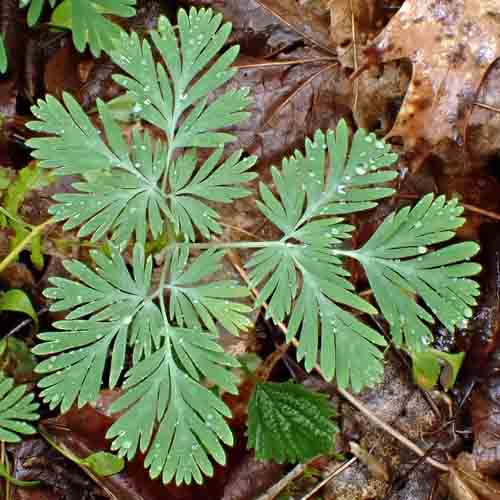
(35, 460)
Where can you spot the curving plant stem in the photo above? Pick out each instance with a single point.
(347, 395)
(14, 253)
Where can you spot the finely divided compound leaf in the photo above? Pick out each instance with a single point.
(173, 96)
(164, 390)
(303, 276)
(17, 408)
(196, 304)
(190, 188)
(289, 423)
(120, 191)
(117, 311)
(399, 265)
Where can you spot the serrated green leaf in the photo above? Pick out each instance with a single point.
(399, 264)
(17, 409)
(286, 422)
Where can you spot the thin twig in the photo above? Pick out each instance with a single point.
(355, 59)
(288, 62)
(330, 476)
(278, 487)
(487, 106)
(349, 397)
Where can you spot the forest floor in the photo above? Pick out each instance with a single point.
(421, 73)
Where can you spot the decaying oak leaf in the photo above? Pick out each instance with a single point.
(466, 483)
(451, 45)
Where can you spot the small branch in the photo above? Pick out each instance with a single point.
(352, 399)
(278, 487)
(23, 244)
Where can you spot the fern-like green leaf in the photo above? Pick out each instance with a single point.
(196, 304)
(124, 186)
(190, 189)
(87, 20)
(286, 422)
(303, 277)
(117, 311)
(164, 390)
(17, 409)
(173, 95)
(399, 264)
(4, 61)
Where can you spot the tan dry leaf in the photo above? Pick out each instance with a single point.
(467, 483)
(451, 44)
(350, 20)
(378, 468)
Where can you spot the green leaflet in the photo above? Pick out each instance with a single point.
(17, 410)
(86, 19)
(398, 263)
(432, 365)
(289, 423)
(4, 62)
(28, 179)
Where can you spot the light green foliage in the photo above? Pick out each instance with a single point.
(103, 463)
(17, 409)
(289, 423)
(432, 365)
(18, 301)
(86, 19)
(166, 322)
(397, 259)
(35, 9)
(4, 62)
(28, 179)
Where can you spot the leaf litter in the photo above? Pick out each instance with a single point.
(298, 58)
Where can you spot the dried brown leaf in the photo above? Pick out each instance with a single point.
(451, 45)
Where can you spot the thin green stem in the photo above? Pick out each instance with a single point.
(24, 243)
(230, 244)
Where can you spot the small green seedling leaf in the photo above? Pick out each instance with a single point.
(289, 423)
(433, 365)
(18, 301)
(104, 463)
(16, 482)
